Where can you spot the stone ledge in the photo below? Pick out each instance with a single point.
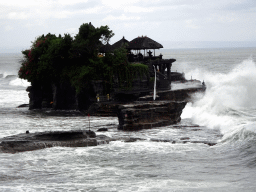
(147, 115)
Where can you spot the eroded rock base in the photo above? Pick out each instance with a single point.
(146, 115)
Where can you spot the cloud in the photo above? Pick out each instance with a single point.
(73, 31)
(94, 10)
(39, 3)
(191, 24)
(166, 19)
(117, 4)
(32, 9)
(8, 28)
(69, 2)
(18, 15)
(61, 14)
(136, 9)
(143, 26)
(122, 18)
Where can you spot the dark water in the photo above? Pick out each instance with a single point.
(226, 114)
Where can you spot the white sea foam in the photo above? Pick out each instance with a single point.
(5, 74)
(229, 101)
(19, 82)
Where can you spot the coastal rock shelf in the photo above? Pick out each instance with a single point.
(146, 115)
(34, 141)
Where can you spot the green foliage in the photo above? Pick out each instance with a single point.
(55, 59)
(88, 40)
(124, 71)
(46, 58)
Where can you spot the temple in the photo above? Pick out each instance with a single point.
(142, 50)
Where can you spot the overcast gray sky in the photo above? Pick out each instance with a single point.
(165, 21)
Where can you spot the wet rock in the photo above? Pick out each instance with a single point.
(196, 129)
(23, 105)
(184, 126)
(184, 138)
(210, 143)
(179, 94)
(10, 177)
(35, 96)
(102, 129)
(163, 140)
(146, 115)
(103, 109)
(35, 141)
(90, 133)
(102, 139)
(184, 141)
(133, 139)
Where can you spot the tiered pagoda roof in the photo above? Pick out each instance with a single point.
(138, 43)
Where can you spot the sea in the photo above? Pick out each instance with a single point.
(169, 159)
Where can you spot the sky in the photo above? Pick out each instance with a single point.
(173, 23)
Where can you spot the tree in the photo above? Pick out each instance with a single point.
(53, 59)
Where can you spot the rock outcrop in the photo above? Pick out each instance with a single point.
(34, 141)
(145, 115)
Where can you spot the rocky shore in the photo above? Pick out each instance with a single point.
(81, 138)
(40, 140)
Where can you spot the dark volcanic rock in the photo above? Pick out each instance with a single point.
(205, 142)
(35, 95)
(184, 141)
(177, 95)
(145, 115)
(34, 141)
(103, 129)
(163, 140)
(103, 109)
(184, 138)
(131, 139)
(23, 105)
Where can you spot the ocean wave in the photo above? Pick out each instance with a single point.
(19, 82)
(3, 74)
(241, 144)
(229, 101)
(7, 75)
(10, 76)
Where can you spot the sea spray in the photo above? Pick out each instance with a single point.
(19, 82)
(229, 101)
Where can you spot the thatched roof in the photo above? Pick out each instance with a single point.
(144, 43)
(105, 48)
(122, 42)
